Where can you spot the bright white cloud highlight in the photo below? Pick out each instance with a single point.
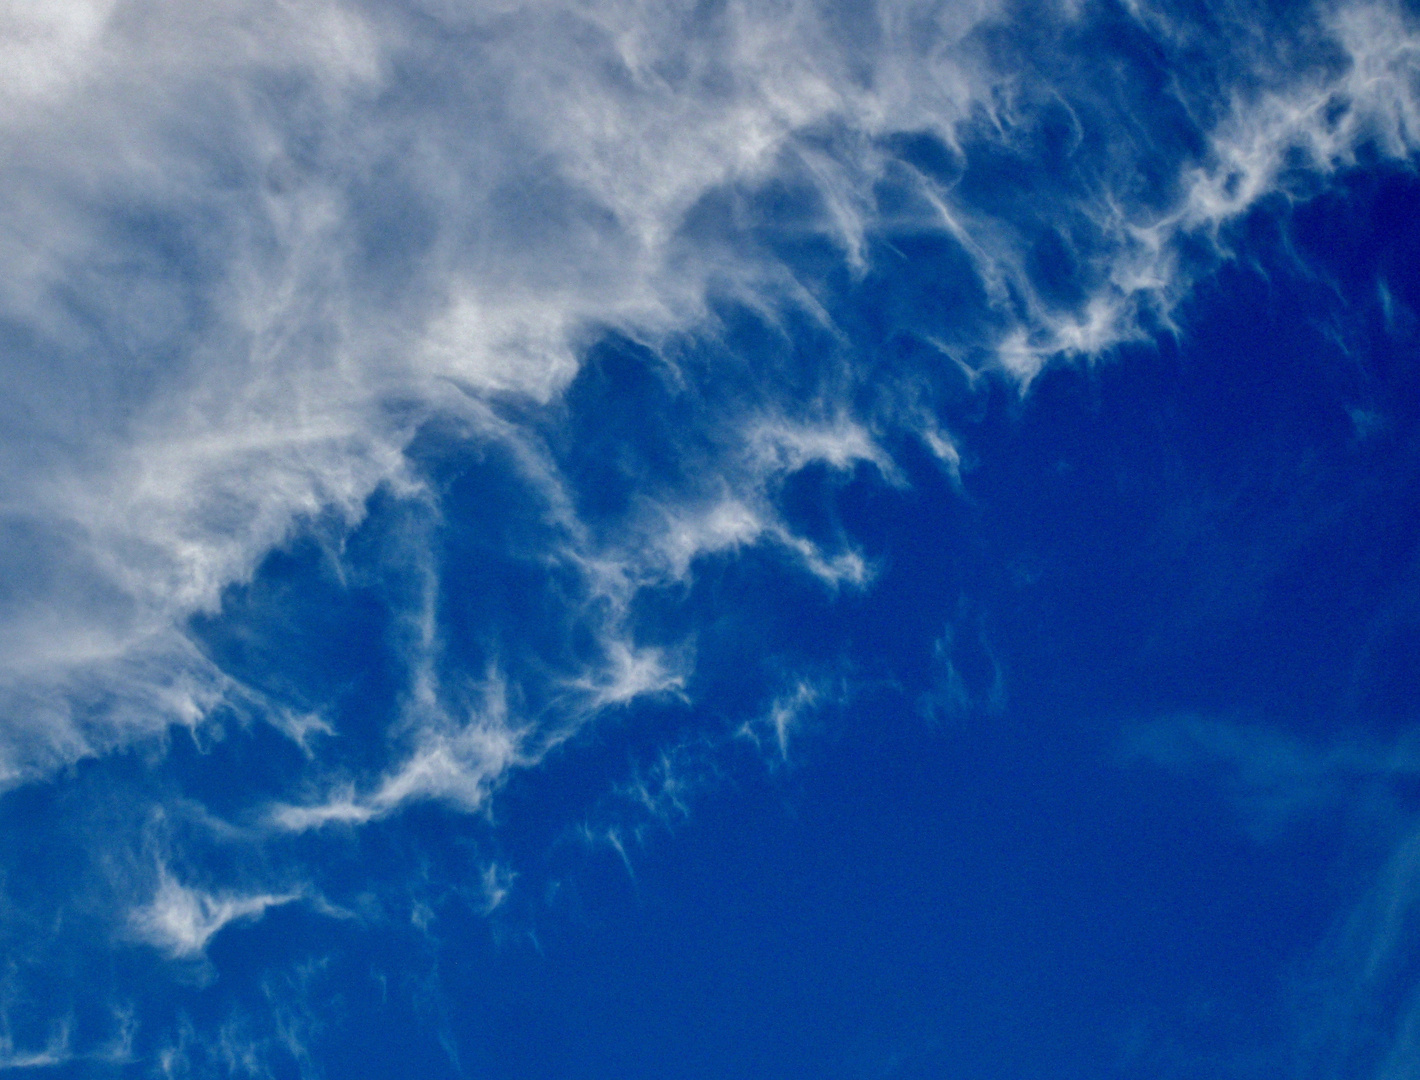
(181, 920)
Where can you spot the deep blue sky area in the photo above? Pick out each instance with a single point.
(815, 540)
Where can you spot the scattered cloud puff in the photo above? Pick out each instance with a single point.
(181, 920)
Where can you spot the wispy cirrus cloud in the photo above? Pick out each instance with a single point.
(250, 251)
(260, 257)
(1354, 998)
(182, 919)
(1275, 777)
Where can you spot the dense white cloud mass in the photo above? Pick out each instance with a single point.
(248, 250)
(252, 249)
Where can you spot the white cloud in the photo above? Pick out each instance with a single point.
(454, 759)
(1323, 118)
(44, 46)
(239, 235)
(631, 672)
(1275, 777)
(786, 712)
(780, 446)
(251, 246)
(181, 920)
(497, 882)
(56, 1052)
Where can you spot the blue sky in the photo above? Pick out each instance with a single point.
(775, 539)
